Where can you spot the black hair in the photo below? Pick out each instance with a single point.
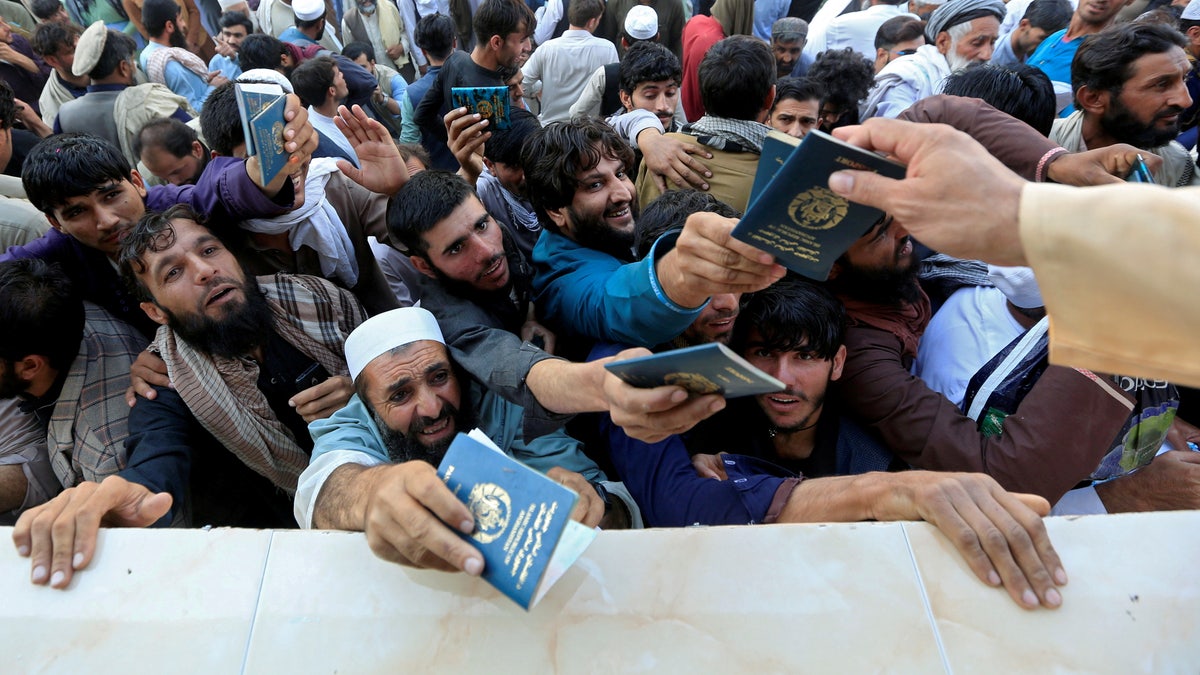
(41, 311)
(505, 144)
(353, 50)
(118, 48)
(424, 201)
(557, 152)
(156, 14)
(736, 76)
(8, 106)
(791, 314)
(70, 165)
(44, 9)
(305, 24)
(501, 17)
(167, 133)
(579, 12)
(1049, 15)
(898, 29)
(798, 89)
(648, 62)
(312, 80)
(153, 233)
(236, 18)
(435, 34)
(220, 121)
(846, 75)
(260, 51)
(50, 37)
(1022, 91)
(669, 212)
(1104, 61)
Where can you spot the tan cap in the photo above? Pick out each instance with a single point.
(89, 48)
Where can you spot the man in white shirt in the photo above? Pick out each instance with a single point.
(857, 29)
(559, 70)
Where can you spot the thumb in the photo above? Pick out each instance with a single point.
(352, 172)
(1035, 502)
(864, 187)
(144, 511)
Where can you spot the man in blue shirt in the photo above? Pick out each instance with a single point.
(166, 59)
(1054, 55)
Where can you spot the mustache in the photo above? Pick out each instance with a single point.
(1169, 112)
(490, 263)
(420, 425)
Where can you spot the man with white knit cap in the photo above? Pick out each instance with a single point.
(373, 461)
(958, 34)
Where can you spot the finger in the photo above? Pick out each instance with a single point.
(349, 170)
(692, 149)
(659, 182)
(385, 539)
(865, 187)
(1029, 544)
(429, 534)
(40, 537)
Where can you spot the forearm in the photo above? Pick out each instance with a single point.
(838, 499)
(567, 388)
(342, 502)
(13, 486)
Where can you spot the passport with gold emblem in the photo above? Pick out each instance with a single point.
(523, 523)
(261, 106)
(794, 216)
(710, 368)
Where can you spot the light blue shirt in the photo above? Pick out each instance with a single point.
(766, 13)
(228, 67)
(179, 79)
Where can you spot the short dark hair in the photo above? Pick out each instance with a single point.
(118, 48)
(501, 17)
(220, 120)
(1104, 61)
(1187, 24)
(1049, 15)
(846, 75)
(353, 50)
(50, 37)
(156, 14)
(669, 211)
(505, 144)
(8, 106)
(435, 34)
(152, 233)
(167, 133)
(304, 24)
(798, 89)
(236, 18)
(312, 80)
(414, 151)
(557, 152)
(735, 77)
(898, 29)
(424, 201)
(648, 62)
(41, 311)
(579, 12)
(259, 50)
(792, 313)
(44, 9)
(70, 165)
(1022, 91)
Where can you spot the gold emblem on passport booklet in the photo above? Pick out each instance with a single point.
(491, 506)
(817, 208)
(693, 382)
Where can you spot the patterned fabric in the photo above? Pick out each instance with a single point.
(156, 63)
(728, 134)
(87, 431)
(312, 315)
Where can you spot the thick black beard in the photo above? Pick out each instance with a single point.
(403, 447)
(1123, 127)
(242, 329)
(177, 39)
(890, 287)
(593, 233)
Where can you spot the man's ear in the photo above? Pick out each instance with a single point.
(140, 185)
(29, 368)
(423, 266)
(561, 220)
(839, 362)
(943, 42)
(495, 42)
(626, 100)
(1093, 101)
(197, 150)
(156, 314)
(769, 101)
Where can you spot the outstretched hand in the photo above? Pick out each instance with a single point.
(381, 169)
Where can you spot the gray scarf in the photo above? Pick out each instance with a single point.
(730, 135)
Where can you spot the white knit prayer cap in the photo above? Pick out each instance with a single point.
(384, 332)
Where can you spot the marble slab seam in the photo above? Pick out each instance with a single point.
(262, 578)
(937, 633)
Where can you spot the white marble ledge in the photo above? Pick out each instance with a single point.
(824, 598)
(149, 602)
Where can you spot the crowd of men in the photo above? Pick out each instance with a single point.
(185, 344)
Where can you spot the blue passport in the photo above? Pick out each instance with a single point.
(710, 368)
(794, 216)
(261, 106)
(523, 523)
(492, 103)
